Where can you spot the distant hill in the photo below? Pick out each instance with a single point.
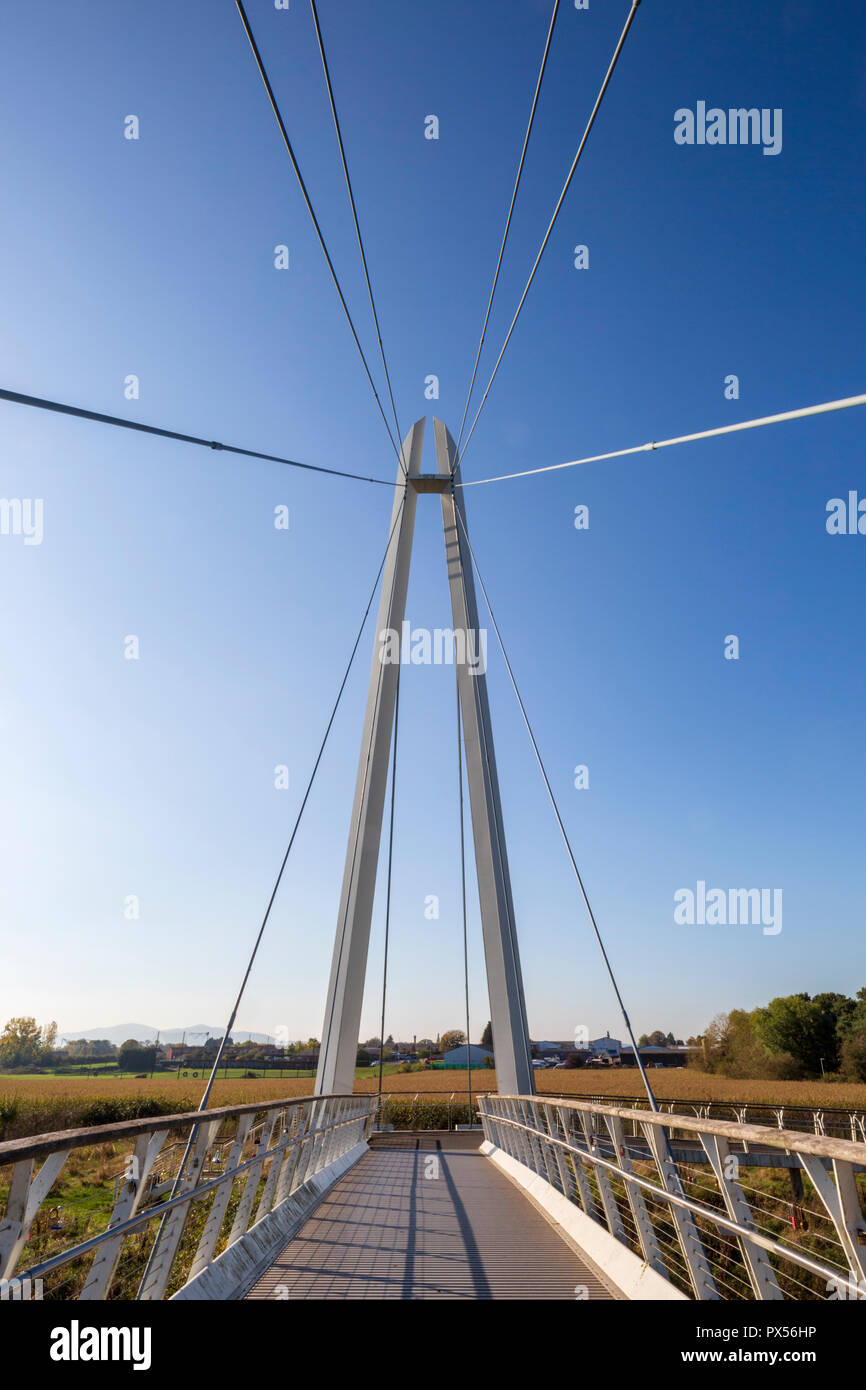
(143, 1032)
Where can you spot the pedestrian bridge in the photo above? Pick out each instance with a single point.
(550, 1198)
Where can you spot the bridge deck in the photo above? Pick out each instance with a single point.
(390, 1228)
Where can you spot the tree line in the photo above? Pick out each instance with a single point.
(796, 1037)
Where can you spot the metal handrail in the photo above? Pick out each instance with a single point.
(824, 1146)
(193, 1195)
(538, 1132)
(29, 1192)
(688, 1204)
(842, 1115)
(14, 1150)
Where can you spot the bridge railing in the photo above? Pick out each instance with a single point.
(75, 1227)
(699, 1201)
(841, 1122)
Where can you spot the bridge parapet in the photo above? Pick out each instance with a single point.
(252, 1176)
(691, 1207)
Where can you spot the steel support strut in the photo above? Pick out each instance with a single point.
(504, 980)
(336, 1070)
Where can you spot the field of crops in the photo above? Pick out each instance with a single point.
(695, 1085)
(30, 1105)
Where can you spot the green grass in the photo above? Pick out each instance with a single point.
(108, 1070)
(195, 1073)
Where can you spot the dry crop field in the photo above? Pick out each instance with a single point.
(65, 1102)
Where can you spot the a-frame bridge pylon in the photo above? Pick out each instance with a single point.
(336, 1071)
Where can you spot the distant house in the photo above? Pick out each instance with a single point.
(612, 1046)
(302, 1061)
(457, 1056)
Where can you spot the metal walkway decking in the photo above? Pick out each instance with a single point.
(428, 1217)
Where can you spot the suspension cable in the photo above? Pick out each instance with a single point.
(463, 896)
(613, 62)
(355, 213)
(650, 1097)
(844, 404)
(203, 1103)
(18, 399)
(303, 187)
(388, 893)
(508, 218)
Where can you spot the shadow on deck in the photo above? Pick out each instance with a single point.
(426, 1215)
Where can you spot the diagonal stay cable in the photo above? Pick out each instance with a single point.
(508, 219)
(801, 413)
(332, 100)
(18, 399)
(613, 62)
(288, 144)
(651, 1098)
(232, 1017)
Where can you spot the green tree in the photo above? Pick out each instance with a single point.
(487, 1036)
(453, 1038)
(23, 1043)
(730, 1047)
(853, 1020)
(805, 1028)
(136, 1056)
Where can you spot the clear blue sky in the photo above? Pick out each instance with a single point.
(155, 257)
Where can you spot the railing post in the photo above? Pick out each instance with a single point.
(644, 1226)
(147, 1146)
(311, 1142)
(687, 1232)
(242, 1215)
(213, 1225)
(561, 1160)
(266, 1201)
(581, 1182)
(543, 1122)
(169, 1236)
(761, 1273)
(26, 1196)
(290, 1157)
(536, 1147)
(843, 1207)
(306, 1120)
(608, 1200)
(334, 1136)
(518, 1145)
